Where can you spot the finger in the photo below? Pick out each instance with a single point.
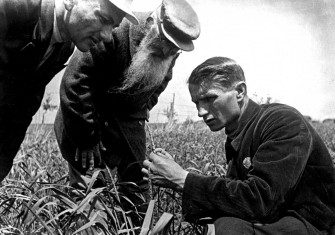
(163, 153)
(145, 171)
(148, 166)
(152, 169)
(146, 163)
(91, 160)
(157, 150)
(146, 179)
(83, 158)
(76, 157)
(152, 156)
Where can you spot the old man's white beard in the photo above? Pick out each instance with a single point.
(146, 71)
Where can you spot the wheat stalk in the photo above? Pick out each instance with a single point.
(153, 147)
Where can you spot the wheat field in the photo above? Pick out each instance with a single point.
(35, 197)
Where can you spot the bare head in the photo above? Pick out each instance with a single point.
(221, 71)
(88, 22)
(218, 88)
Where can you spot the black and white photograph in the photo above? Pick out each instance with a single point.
(149, 117)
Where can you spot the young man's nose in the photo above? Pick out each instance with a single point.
(202, 111)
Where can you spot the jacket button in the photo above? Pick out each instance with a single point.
(140, 123)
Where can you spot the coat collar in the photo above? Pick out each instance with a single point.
(246, 118)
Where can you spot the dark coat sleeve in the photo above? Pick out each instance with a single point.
(285, 142)
(77, 92)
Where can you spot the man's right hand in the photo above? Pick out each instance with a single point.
(92, 155)
(164, 171)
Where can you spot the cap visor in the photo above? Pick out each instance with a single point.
(129, 14)
(183, 45)
(132, 18)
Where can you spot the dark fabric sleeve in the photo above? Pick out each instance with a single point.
(285, 144)
(77, 91)
(3, 33)
(154, 98)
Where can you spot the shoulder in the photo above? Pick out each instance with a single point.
(281, 118)
(279, 111)
(21, 9)
(21, 15)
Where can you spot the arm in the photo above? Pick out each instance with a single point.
(77, 94)
(277, 165)
(285, 144)
(76, 100)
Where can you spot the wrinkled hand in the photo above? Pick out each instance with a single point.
(91, 155)
(164, 171)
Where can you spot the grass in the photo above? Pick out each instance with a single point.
(36, 198)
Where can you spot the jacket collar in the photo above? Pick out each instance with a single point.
(247, 116)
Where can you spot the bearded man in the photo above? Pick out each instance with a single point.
(106, 93)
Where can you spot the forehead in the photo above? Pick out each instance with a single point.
(202, 91)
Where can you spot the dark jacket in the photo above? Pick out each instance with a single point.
(89, 112)
(26, 28)
(290, 171)
(86, 102)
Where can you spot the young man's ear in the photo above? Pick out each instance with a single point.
(241, 89)
(69, 4)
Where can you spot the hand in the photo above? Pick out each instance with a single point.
(90, 154)
(164, 171)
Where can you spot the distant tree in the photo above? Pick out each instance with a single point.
(263, 100)
(329, 121)
(47, 106)
(171, 114)
(188, 121)
(315, 122)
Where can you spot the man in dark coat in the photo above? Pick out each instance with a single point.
(36, 39)
(106, 93)
(280, 177)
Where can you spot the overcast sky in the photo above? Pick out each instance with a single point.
(286, 48)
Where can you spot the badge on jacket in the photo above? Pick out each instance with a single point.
(247, 162)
